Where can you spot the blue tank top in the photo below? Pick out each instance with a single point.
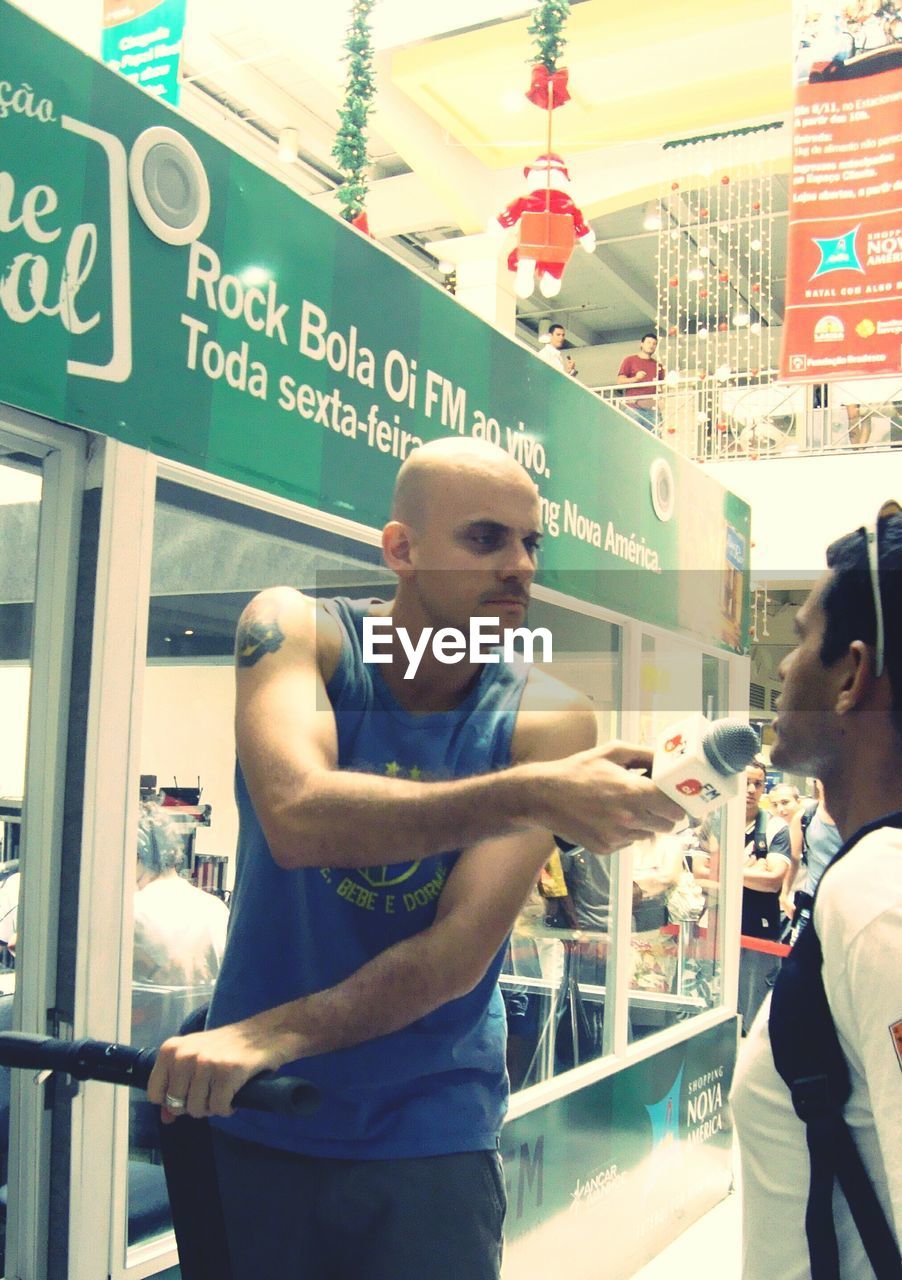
(439, 1085)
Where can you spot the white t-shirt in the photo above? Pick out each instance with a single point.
(553, 356)
(179, 934)
(858, 918)
(9, 907)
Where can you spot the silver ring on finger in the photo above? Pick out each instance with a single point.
(175, 1104)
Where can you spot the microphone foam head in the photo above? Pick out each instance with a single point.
(729, 745)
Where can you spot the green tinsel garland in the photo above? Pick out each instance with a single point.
(350, 147)
(547, 26)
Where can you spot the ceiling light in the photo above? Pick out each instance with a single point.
(755, 327)
(741, 319)
(756, 245)
(189, 631)
(703, 251)
(445, 266)
(288, 146)
(722, 373)
(696, 274)
(652, 219)
(702, 332)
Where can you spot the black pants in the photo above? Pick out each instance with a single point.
(292, 1217)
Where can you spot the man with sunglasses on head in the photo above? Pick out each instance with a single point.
(839, 718)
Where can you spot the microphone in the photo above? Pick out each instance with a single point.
(698, 764)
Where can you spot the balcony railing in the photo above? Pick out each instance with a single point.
(710, 420)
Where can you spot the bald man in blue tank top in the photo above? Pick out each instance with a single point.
(390, 829)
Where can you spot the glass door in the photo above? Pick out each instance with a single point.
(40, 487)
(677, 942)
(21, 483)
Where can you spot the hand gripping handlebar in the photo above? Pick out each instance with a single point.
(123, 1064)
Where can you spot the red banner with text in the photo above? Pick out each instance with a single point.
(843, 316)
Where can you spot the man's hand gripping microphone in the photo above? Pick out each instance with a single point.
(699, 764)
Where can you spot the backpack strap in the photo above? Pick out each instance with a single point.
(808, 1056)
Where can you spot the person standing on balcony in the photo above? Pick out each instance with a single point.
(553, 352)
(639, 373)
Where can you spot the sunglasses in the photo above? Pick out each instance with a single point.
(872, 538)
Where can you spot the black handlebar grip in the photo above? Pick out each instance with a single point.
(17, 1049)
(285, 1095)
(122, 1064)
(82, 1059)
(112, 1063)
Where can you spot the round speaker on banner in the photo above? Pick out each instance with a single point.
(169, 185)
(663, 489)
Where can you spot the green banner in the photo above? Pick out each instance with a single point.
(157, 288)
(142, 40)
(615, 1170)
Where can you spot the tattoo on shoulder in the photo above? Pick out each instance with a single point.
(259, 633)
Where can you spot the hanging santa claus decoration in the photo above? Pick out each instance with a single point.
(549, 224)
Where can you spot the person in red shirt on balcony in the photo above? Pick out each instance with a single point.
(639, 373)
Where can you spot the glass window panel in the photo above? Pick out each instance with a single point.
(20, 498)
(675, 944)
(553, 982)
(210, 557)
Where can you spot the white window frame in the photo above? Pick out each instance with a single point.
(62, 454)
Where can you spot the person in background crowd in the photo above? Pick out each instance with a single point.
(553, 353)
(639, 373)
(785, 801)
(560, 912)
(815, 839)
(179, 941)
(767, 857)
(532, 954)
(588, 910)
(839, 717)
(180, 931)
(821, 840)
(9, 912)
